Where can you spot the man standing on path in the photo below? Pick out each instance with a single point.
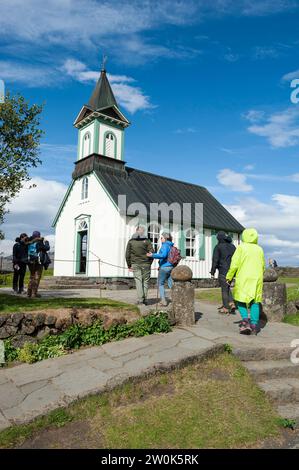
(222, 256)
(139, 263)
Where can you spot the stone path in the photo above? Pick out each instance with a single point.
(27, 391)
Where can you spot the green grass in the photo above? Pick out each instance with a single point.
(211, 404)
(13, 303)
(292, 319)
(289, 280)
(210, 295)
(6, 279)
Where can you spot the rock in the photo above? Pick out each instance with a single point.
(274, 301)
(291, 308)
(181, 273)
(39, 319)
(270, 275)
(27, 327)
(15, 319)
(54, 331)
(50, 320)
(63, 323)
(19, 340)
(109, 322)
(3, 319)
(43, 332)
(297, 304)
(182, 294)
(7, 330)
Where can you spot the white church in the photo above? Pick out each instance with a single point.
(92, 230)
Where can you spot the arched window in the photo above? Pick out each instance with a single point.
(190, 242)
(153, 235)
(82, 226)
(84, 188)
(110, 145)
(86, 145)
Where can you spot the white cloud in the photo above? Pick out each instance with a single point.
(281, 129)
(31, 75)
(288, 77)
(265, 52)
(187, 130)
(33, 209)
(276, 221)
(233, 180)
(253, 115)
(130, 97)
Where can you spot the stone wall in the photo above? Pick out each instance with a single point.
(31, 327)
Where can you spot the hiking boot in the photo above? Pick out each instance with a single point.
(163, 303)
(145, 302)
(232, 308)
(245, 327)
(224, 311)
(254, 329)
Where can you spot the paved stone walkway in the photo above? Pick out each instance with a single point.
(28, 391)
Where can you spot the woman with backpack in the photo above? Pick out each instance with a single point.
(38, 259)
(165, 266)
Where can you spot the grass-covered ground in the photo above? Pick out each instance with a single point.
(6, 279)
(209, 404)
(16, 303)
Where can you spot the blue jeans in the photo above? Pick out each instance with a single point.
(164, 275)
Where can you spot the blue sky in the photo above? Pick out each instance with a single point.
(206, 86)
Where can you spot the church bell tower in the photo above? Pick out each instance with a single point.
(101, 124)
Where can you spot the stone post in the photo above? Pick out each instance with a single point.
(274, 298)
(182, 294)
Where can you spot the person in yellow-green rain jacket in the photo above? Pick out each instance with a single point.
(248, 266)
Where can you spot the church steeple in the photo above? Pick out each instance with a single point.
(101, 124)
(102, 95)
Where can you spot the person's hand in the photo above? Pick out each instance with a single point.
(130, 270)
(149, 255)
(212, 276)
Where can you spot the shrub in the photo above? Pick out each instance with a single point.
(79, 335)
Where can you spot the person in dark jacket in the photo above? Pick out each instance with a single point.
(222, 256)
(19, 259)
(165, 267)
(137, 248)
(37, 260)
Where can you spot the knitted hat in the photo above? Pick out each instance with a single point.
(36, 234)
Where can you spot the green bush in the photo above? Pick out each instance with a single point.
(79, 335)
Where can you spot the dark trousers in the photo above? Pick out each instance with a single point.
(18, 277)
(36, 271)
(227, 297)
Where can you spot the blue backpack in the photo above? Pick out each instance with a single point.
(33, 255)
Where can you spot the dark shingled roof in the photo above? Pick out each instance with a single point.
(140, 186)
(102, 95)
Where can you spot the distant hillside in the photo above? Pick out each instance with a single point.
(6, 262)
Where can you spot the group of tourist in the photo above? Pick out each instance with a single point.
(244, 265)
(32, 252)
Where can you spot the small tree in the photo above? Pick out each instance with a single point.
(19, 146)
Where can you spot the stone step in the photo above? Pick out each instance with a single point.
(69, 286)
(289, 411)
(263, 370)
(281, 391)
(261, 353)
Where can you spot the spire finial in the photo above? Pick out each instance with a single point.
(104, 60)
